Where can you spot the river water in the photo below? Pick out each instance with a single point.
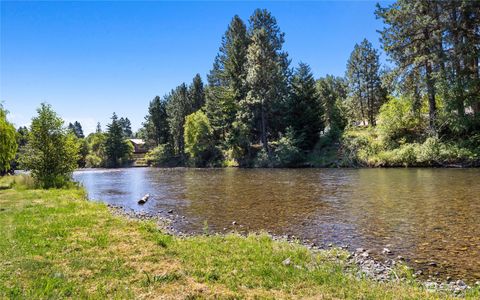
(431, 217)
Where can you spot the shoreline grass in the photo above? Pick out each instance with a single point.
(56, 244)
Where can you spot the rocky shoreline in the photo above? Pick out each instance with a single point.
(360, 261)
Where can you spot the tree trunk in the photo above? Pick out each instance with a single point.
(432, 106)
(264, 128)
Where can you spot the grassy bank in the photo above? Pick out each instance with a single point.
(55, 244)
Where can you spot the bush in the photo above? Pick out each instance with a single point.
(397, 121)
(51, 153)
(198, 139)
(162, 155)
(286, 153)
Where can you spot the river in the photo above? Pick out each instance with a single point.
(431, 217)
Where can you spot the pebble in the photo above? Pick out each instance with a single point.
(286, 262)
(386, 251)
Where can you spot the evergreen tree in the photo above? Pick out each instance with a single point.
(227, 82)
(261, 110)
(196, 93)
(413, 39)
(179, 106)
(156, 122)
(229, 68)
(304, 110)
(78, 130)
(332, 92)
(365, 84)
(99, 128)
(126, 127)
(116, 148)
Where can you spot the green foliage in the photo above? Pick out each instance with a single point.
(51, 154)
(156, 122)
(198, 138)
(286, 152)
(304, 108)
(398, 122)
(366, 148)
(96, 145)
(160, 156)
(8, 142)
(332, 93)
(118, 150)
(365, 86)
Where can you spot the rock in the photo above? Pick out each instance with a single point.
(365, 254)
(234, 223)
(386, 251)
(432, 264)
(170, 211)
(330, 245)
(477, 283)
(359, 250)
(460, 283)
(286, 262)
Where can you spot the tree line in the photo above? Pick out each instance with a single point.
(257, 110)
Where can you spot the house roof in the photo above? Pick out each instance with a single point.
(137, 141)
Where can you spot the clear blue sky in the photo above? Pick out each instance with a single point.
(89, 59)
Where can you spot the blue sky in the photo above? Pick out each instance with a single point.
(89, 59)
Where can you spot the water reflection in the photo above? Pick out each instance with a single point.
(429, 216)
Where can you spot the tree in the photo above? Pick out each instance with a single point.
(126, 127)
(156, 122)
(196, 93)
(51, 153)
(267, 68)
(76, 129)
(332, 92)
(179, 106)
(227, 82)
(304, 109)
(364, 82)
(198, 135)
(413, 39)
(8, 142)
(229, 68)
(117, 149)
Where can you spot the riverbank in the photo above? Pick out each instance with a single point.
(58, 245)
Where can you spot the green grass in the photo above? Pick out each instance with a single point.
(55, 244)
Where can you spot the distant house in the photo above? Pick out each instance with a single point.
(138, 146)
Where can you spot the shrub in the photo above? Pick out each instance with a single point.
(396, 120)
(287, 153)
(198, 136)
(159, 156)
(51, 153)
